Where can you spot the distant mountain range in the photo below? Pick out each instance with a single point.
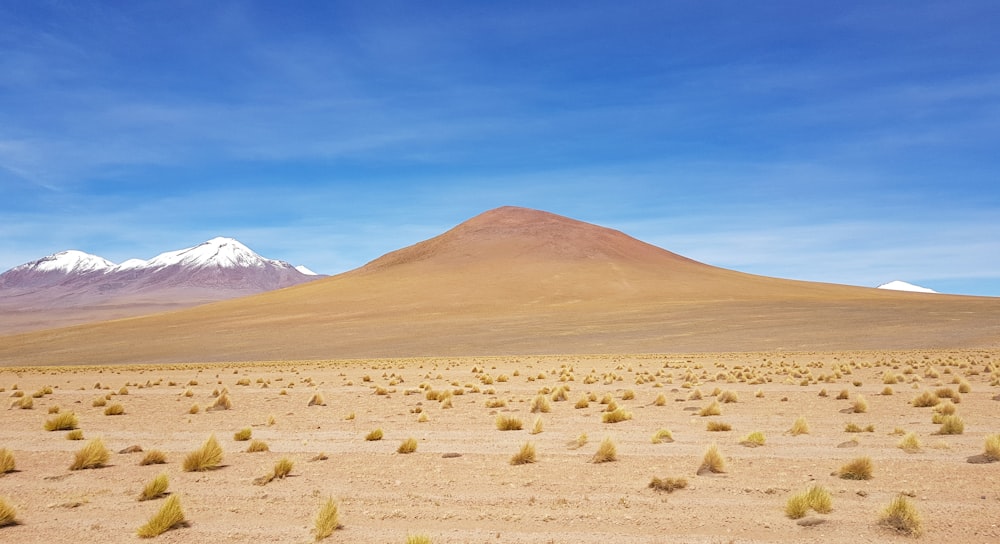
(89, 287)
(898, 285)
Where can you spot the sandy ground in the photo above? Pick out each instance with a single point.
(478, 496)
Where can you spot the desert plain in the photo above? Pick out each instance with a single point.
(460, 485)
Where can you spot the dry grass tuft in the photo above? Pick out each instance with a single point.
(525, 456)
(93, 455)
(538, 426)
(418, 539)
(114, 410)
(901, 517)
(754, 439)
(860, 404)
(541, 404)
(713, 409)
(616, 416)
(661, 436)
(801, 426)
(668, 484)
(243, 434)
(408, 446)
(712, 461)
(857, 469)
(925, 400)
(155, 488)
(909, 443)
(327, 520)
(222, 402)
(374, 435)
(65, 421)
(207, 457)
(7, 513)
(606, 452)
(317, 400)
(75, 434)
(257, 446)
(7, 463)
(718, 426)
(727, 397)
(153, 457)
(170, 516)
(816, 498)
(797, 506)
(509, 423)
(992, 449)
(951, 425)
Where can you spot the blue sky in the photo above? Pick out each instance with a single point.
(853, 142)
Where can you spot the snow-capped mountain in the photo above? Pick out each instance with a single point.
(898, 285)
(218, 269)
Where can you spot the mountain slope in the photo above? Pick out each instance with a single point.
(517, 281)
(72, 286)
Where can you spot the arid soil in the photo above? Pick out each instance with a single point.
(477, 495)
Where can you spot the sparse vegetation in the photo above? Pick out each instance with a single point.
(951, 425)
(114, 410)
(508, 423)
(525, 455)
(65, 421)
(925, 400)
(155, 488)
(910, 443)
(668, 484)
(75, 434)
(606, 452)
(662, 435)
(816, 498)
(153, 457)
(857, 469)
(374, 435)
(860, 404)
(616, 416)
(541, 404)
(257, 446)
(317, 400)
(901, 517)
(408, 446)
(169, 516)
(8, 514)
(417, 539)
(753, 440)
(800, 426)
(243, 434)
(207, 457)
(538, 426)
(7, 463)
(327, 520)
(718, 426)
(713, 409)
(992, 449)
(92, 455)
(712, 461)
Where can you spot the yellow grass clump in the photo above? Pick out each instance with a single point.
(860, 404)
(7, 463)
(717, 426)
(408, 446)
(857, 469)
(207, 457)
(901, 517)
(92, 455)
(153, 457)
(75, 434)
(713, 409)
(909, 443)
(374, 435)
(661, 436)
(65, 421)
(606, 452)
(257, 446)
(801, 426)
(327, 520)
(727, 397)
(418, 539)
(925, 400)
(753, 439)
(115, 409)
(616, 416)
(540, 404)
(525, 456)
(508, 423)
(155, 488)
(316, 400)
(992, 448)
(951, 425)
(712, 461)
(538, 426)
(243, 434)
(168, 517)
(7, 513)
(668, 484)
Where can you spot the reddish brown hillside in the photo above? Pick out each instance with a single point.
(523, 281)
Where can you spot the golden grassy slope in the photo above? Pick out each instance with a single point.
(522, 281)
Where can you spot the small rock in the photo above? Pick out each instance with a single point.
(862, 493)
(810, 521)
(131, 449)
(450, 455)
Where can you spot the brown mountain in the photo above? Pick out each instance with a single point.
(518, 281)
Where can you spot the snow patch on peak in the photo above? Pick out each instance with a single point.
(219, 252)
(305, 270)
(69, 262)
(897, 285)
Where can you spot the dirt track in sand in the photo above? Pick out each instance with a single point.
(479, 496)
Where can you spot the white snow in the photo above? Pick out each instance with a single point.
(898, 285)
(218, 252)
(305, 270)
(69, 262)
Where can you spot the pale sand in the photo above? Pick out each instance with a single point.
(479, 497)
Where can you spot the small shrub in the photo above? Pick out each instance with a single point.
(194, 409)
(99, 402)
(727, 397)
(525, 456)
(75, 434)
(662, 435)
(753, 439)
(418, 539)
(222, 402)
(282, 468)
(257, 446)
(951, 425)
(909, 443)
(243, 434)
(820, 499)
(844, 394)
(668, 484)
(582, 402)
(374, 435)
(887, 391)
(901, 517)
(114, 410)
(992, 449)
(540, 404)
(508, 423)
(860, 404)
(712, 461)
(717, 426)
(207, 457)
(327, 520)
(156, 488)
(92, 455)
(153, 457)
(661, 400)
(606, 452)
(168, 517)
(797, 506)
(54, 409)
(628, 394)
(801, 426)
(7, 463)
(925, 400)
(616, 416)
(857, 469)
(713, 409)
(538, 426)
(408, 446)
(317, 400)
(65, 421)
(8, 514)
